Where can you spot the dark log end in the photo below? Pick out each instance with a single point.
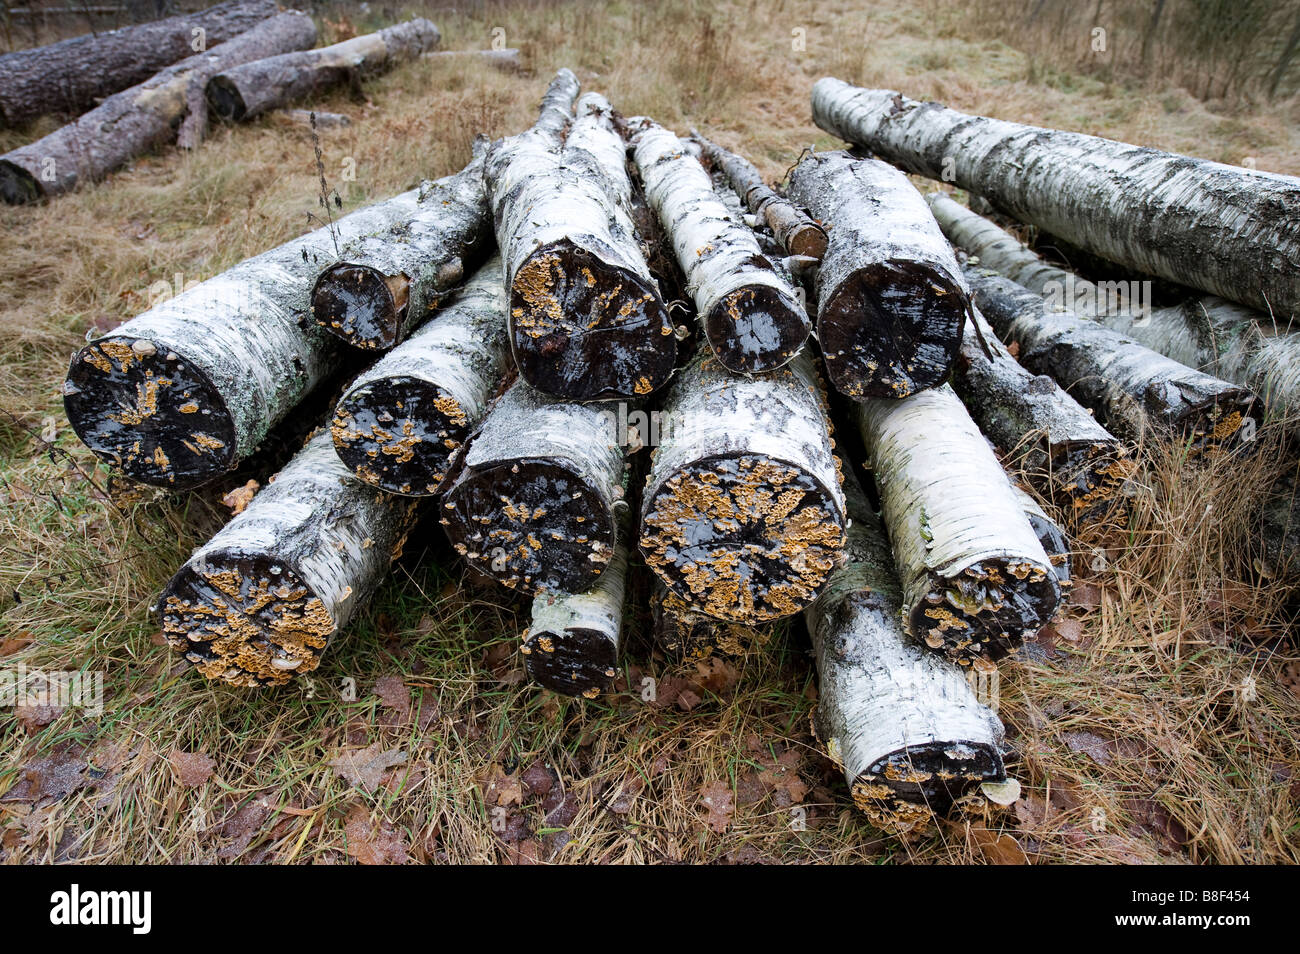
(1086, 481)
(685, 633)
(149, 413)
(907, 788)
(245, 619)
(398, 434)
(584, 330)
(756, 329)
(1219, 422)
(17, 185)
(891, 330)
(577, 661)
(224, 99)
(360, 305)
(742, 537)
(531, 525)
(984, 612)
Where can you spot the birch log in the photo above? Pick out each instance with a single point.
(1132, 389)
(742, 515)
(1208, 333)
(683, 632)
(262, 600)
(70, 75)
(573, 641)
(793, 228)
(891, 301)
(586, 319)
(400, 421)
(506, 60)
(532, 502)
(131, 122)
(183, 392)
(253, 88)
(975, 577)
(1223, 229)
(751, 315)
(1056, 544)
(384, 284)
(1044, 433)
(903, 724)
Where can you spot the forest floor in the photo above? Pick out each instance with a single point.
(1157, 724)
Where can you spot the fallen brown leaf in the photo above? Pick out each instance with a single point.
(192, 768)
(365, 768)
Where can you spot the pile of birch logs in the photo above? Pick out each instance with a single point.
(603, 350)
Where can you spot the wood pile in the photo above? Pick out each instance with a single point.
(534, 389)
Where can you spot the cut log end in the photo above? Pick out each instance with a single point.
(245, 620)
(224, 99)
(1219, 422)
(756, 328)
(890, 348)
(361, 305)
(907, 789)
(530, 524)
(743, 537)
(1087, 480)
(151, 414)
(984, 612)
(809, 240)
(398, 434)
(685, 633)
(17, 185)
(584, 330)
(573, 661)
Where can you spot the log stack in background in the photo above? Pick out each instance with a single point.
(579, 447)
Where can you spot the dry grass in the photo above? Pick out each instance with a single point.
(1138, 736)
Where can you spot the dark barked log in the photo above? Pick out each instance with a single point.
(1208, 333)
(260, 602)
(1131, 389)
(684, 633)
(742, 515)
(891, 301)
(1056, 544)
(903, 724)
(750, 313)
(975, 577)
(1044, 433)
(180, 394)
(71, 74)
(131, 122)
(384, 284)
(1226, 230)
(531, 503)
(572, 643)
(793, 228)
(400, 420)
(507, 60)
(586, 317)
(254, 88)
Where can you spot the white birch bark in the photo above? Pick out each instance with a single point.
(400, 420)
(1226, 230)
(975, 577)
(750, 314)
(891, 301)
(742, 514)
(532, 502)
(261, 601)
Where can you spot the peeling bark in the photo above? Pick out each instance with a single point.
(586, 318)
(402, 419)
(975, 577)
(683, 632)
(131, 122)
(181, 393)
(532, 502)
(1208, 333)
(891, 299)
(1132, 389)
(1223, 229)
(903, 724)
(386, 283)
(750, 314)
(743, 516)
(572, 644)
(260, 86)
(71, 74)
(793, 228)
(261, 601)
(1044, 432)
